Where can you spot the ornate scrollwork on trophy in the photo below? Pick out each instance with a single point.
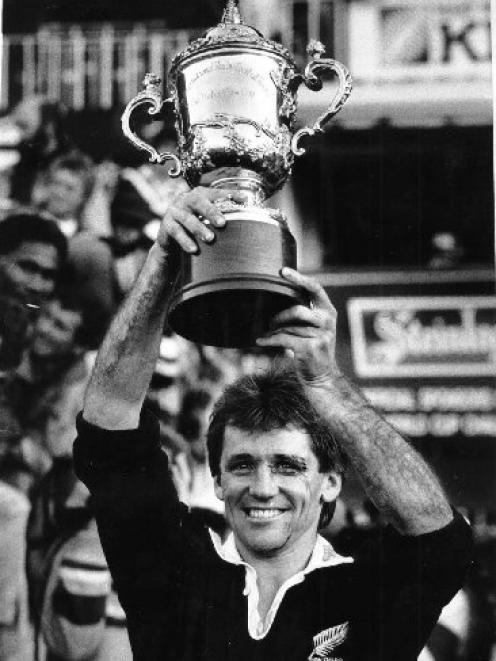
(284, 79)
(314, 82)
(234, 95)
(151, 95)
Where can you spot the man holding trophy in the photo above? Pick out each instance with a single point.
(273, 589)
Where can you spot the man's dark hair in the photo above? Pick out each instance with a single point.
(19, 228)
(263, 402)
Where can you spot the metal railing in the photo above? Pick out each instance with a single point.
(103, 65)
(100, 67)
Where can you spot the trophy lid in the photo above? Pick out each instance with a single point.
(231, 32)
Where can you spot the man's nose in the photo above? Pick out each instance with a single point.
(264, 483)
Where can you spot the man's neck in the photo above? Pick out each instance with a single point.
(276, 567)
(274, 570)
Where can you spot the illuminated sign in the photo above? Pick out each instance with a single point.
(439, 411)
(411, 337)
(408, 37)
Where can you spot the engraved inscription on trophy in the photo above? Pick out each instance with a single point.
(228, 86)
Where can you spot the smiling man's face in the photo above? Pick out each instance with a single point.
(30, 271)
(273, 490)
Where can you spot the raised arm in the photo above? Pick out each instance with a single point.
(128, 354)
(394, 475)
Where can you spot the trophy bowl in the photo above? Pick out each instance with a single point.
(233, 94)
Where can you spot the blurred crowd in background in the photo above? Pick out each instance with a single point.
(73, 236)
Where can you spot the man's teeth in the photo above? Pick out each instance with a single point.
(263, 514)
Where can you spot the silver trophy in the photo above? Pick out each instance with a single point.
(234, 98)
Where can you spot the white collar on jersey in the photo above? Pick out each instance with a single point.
(323, 555)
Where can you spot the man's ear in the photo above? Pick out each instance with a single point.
(218, 488)
(331, 487)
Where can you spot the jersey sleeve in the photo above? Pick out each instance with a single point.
(405, 582)
(145, 531)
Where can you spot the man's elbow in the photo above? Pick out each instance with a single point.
(111, 413)
(431, 517)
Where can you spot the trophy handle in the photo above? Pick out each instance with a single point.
(150, 95)
(314, 82)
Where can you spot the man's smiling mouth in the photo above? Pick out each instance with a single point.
(263, 513)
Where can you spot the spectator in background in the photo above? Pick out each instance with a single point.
(15, 644)
(9, 158)
(52, 376)
(153, 183)
(43, 136)
(129, 215)
(190, 470)
(63, 188)
(32, 253)
(61, 192)
(446, 251)
(362, 525)
(75, 611)
(170, 376)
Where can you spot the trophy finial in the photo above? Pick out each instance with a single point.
(231, 13)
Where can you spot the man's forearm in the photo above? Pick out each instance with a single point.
(394, 475)
(128, 354)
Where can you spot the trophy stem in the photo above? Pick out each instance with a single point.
(248, 182)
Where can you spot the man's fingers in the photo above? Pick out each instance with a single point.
(297, 314)
(191, 217)
(317, 294)
(295, 330)
(201, 201)
(283, 340)
(178, 233)
(192, 224)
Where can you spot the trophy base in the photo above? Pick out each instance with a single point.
(230, 313)
(228, 293)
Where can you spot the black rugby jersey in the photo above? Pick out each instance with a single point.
(183, 602)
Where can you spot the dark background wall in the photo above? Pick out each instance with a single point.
(379, 195)
(25, 16)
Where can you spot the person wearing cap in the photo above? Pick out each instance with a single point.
(130, 213)
(273, 588)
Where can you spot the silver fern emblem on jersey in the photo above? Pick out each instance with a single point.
(325, 642)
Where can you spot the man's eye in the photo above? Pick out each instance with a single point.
(242, 467)
(287, 468)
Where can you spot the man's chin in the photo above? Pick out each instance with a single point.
(265, 543)
(268, 550)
